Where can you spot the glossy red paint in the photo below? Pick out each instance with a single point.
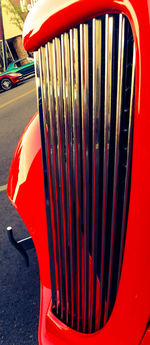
(14, 77)
(146, 338)
(26, 192)
(131, 312)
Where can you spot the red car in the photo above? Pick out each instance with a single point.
(8, 80)
(80, 176)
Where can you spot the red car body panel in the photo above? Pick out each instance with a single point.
(146, 339)
(131, 313)
(23, 176)
(14, 78)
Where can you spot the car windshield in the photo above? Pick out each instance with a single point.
(23, 62)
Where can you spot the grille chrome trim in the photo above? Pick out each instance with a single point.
(68, 143)
(128, 164)
(53, 143)
(107, 120)
(84, 114)
(45, 154)
(60, 157)
(76, 160)
(117, 142)
(84, 49)
(97, 27)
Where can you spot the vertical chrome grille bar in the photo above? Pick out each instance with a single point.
(129, 145)
(60, 160)
(43, 117)
(52, 157)
(68, 143)
(116, 158)
(74, 53)
(84, 49)
(95, 157)
(107, 121)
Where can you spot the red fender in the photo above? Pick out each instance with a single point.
(26, 192)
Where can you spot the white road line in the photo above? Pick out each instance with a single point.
(2, 188)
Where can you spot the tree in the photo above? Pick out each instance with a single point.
(18, 13)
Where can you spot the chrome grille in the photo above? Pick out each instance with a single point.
(85, 82)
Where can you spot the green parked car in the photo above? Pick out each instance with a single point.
(25, 66)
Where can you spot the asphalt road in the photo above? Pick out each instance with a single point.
(19, 285)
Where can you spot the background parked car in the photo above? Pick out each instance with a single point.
(8, 80)
(24, 66)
